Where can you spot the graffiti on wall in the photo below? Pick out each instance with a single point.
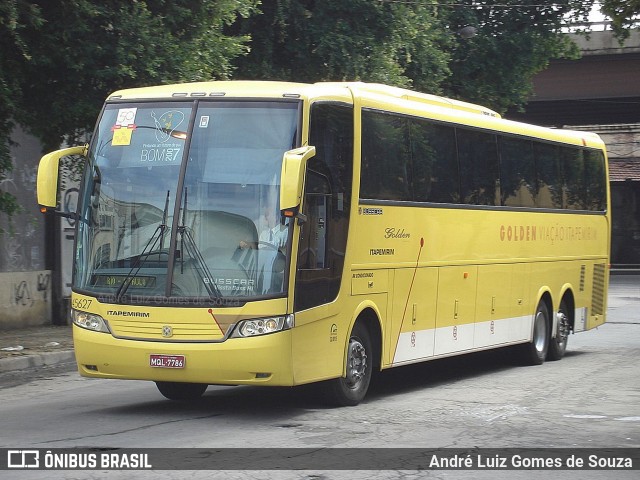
(25, 293)
(43, 284)
(22, 296)
(25, 298)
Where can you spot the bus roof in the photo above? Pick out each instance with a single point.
(405, 94)
(232, 89)
(258, 89)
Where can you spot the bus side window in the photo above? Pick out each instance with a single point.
(386, 159)
(573, 179)
(596, 181)
(478, 160)
(517, 172)
(435, 176)
(549, 184)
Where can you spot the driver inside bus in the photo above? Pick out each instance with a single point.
(274, 233)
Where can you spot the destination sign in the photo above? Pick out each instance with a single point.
(117, 280)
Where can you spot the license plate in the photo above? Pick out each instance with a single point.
(166, 361)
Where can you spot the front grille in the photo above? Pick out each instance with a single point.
(154, 331)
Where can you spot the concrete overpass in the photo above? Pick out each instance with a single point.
(602, 87)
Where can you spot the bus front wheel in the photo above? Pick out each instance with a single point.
(351, 389)
(181, 391)
(535, 352)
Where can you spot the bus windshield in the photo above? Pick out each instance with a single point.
(180, 200)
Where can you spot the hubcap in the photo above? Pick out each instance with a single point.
(539, 332)
(356, 363)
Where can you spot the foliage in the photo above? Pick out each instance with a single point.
(336, 40)
(86, 49)
(15, 16)
(624, 14)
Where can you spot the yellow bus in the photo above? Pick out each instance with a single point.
(267, 233)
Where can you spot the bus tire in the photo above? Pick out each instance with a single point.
(535, 352)
(351, 389)
(181, 391)
(558, 344)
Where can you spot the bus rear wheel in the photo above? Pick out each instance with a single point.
(351, 389)
(181, 391)
(558, 344)
(535, 352)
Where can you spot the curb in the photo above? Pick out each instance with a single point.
(35, 361)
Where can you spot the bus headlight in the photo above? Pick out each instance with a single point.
(90, 321)
(263, 326)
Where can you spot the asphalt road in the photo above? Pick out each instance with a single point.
(590, 399)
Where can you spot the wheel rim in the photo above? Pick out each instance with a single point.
(356, 363)
(540, 332)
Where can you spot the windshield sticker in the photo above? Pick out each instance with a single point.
(167, 154)
(124, 127)
(126, 117)
(204, 121)
(167, 125)
(122, 135)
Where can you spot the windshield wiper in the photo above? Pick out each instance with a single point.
(149, 248)
(189, 244)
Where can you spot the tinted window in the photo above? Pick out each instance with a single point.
(595, 181)
(434, 162)
(385, 157)
(573, 178)
(517, 173)
(478, 158)
(412, 159)
(549, 185)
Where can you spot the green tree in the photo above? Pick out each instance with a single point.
(88, 48)
(15, 17)
(335, 40)
(512, 43)
(624, 14)
(61, 58)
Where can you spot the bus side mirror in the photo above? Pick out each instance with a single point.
(47, 182)
(294, 165)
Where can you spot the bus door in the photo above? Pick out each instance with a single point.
(319, 336)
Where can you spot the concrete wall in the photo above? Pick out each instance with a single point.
(25, 299)
(605, 43)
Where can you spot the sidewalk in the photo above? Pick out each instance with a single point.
(34, 347)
